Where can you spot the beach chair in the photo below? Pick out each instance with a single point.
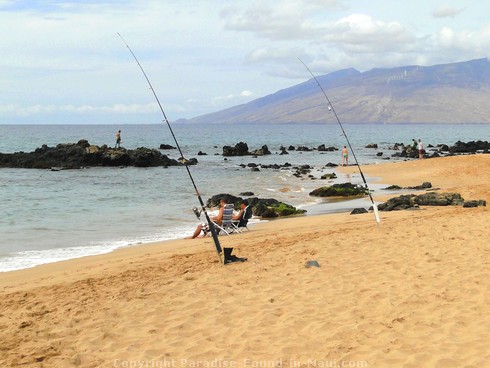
(243, 221)
(227, 223)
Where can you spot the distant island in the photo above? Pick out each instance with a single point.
(446, 93)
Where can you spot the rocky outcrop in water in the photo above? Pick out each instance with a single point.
(424, 185)
(340, 190)
(470, 147)
(264, 150)
(241, 149)
(164, 146)
(323, 148)
(402, 150)
(261, 207)
(329, 176)
(83, 154)
(404, 202)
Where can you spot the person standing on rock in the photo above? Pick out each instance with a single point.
(118, 139)
(414, 145)
(345, 157)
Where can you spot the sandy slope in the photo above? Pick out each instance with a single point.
(410, 293)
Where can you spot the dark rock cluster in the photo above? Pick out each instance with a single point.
(403, 151)
(241, 149)
(470, 147)
(423, 186)
(358, 211)
(322, 148)
(262, 207)
(82, 154)
(164, 146)
(329, 176)
(340, 190)
(404, 202)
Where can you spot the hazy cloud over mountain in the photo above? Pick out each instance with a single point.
(62, 61)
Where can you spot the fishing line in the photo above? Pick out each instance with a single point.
(184, 161)
(330, 108)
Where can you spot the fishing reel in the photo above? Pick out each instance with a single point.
(197, 213)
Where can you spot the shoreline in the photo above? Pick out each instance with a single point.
(370, 170)
(410, 292)
(107, 247)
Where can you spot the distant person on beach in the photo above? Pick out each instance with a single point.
(118, 139)
(414, 145)
(345, 157)
(420, 147)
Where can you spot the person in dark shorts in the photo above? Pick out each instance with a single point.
(118, 139)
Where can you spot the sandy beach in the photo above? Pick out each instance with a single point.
(413, 292)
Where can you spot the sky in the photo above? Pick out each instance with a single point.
(62, 62)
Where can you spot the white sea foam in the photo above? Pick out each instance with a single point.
(28, 259)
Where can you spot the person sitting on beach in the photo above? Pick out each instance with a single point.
(243, 215)
(204, 227)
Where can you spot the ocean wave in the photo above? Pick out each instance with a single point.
(28, 259)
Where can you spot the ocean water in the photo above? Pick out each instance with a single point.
(49, 216)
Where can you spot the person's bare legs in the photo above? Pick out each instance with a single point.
(197, 232)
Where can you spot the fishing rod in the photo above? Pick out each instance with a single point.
(184, 161)
(330, 108)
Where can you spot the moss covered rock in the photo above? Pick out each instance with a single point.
(428, 199)
(261, 207)
(340, 190)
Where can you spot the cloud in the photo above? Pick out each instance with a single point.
(244, 94)
(6, 3)
(64, 58)
(357, 40)
(446, 11)
(16, 110)
(472, 43)
(268, 54)
(328, 36)
(362, 33)
(280, 20)
(301, 29)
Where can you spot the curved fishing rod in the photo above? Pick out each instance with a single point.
(184, 161)
(330, 108)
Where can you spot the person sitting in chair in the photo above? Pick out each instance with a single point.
(229, 258)
(204, 227)
(243, 215)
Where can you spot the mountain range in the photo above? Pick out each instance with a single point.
(447, 93)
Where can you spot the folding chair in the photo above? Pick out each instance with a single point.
(243, 221)
(227, 222)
